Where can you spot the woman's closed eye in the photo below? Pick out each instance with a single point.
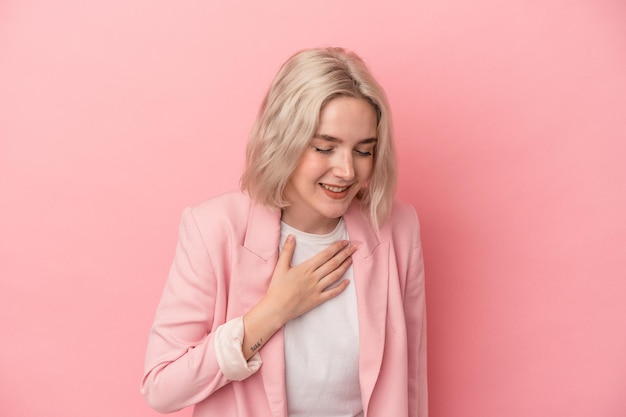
(363, 153)
(359, 152)
(323, 150)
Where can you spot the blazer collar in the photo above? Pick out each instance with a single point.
(263, 232)
(360, 230)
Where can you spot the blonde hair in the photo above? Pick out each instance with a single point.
(289, 117)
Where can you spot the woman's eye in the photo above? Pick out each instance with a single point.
(324, 151)
(363, 153)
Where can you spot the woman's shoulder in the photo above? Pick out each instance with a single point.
(233, 217)
(403, 214)
(403, 222)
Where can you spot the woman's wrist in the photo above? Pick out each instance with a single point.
(260, 324)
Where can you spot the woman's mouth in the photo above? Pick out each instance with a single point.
(334, 191)
(334, 188)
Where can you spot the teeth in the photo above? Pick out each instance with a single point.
(335, 189)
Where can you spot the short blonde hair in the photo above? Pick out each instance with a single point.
(289, 117)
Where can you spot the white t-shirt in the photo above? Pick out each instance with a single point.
(322, 345)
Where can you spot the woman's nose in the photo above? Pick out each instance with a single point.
(344, 166)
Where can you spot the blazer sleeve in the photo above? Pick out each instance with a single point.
(182, 365)
(415, 313)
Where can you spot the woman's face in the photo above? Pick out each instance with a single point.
(334, 167)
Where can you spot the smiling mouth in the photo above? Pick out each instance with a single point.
(333, 188)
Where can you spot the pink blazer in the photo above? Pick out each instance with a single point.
(225, 257)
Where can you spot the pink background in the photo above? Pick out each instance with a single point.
(511, 130)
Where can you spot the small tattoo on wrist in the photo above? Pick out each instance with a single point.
(256, 346)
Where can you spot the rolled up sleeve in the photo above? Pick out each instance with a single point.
(228, 350)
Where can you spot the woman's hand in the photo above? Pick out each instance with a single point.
(294, 290)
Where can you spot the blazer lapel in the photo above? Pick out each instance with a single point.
(255, 264)
(371, 276)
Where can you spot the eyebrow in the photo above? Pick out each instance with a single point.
(337, 140)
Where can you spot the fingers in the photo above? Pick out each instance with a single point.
(303, 287)
(336, 261)
(286, 254)
(327, 281)
(327, 254)
(334, 291)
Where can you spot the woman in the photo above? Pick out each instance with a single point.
(303, 295)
